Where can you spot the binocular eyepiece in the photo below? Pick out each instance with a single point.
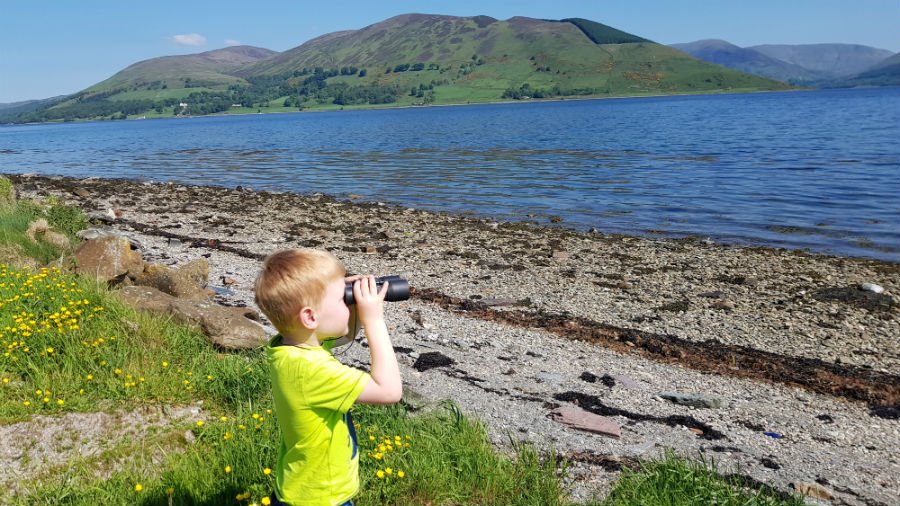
(398, 289)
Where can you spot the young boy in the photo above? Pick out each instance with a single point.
(302, 293)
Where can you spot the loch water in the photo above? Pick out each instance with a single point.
(814, 170)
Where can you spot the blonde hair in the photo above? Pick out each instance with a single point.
(293, 279)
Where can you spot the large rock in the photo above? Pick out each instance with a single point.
(227, 327)
(107, 259)
(187, 282)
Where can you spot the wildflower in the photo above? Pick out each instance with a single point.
(400, 474)
(200, 423)
(5, 380)
(389, 470)
(227, 469)
(380, 473)
(255, 416)
(223, 419)
(267, 471)
(265, 501)
(371, 438)
(117, 371)
(209, 377)
(27, 403)
(49, 350)
(89, 377)
(138, 487)
(242, 426)
(60, 402)
(242, 496)
(165, 364)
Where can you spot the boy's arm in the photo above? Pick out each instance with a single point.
(385, 386)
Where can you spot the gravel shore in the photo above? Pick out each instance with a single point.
(505, 280)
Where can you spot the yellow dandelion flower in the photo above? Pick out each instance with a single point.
(27, 403)
(371, 438)
(255, 416)
(5, 380)
(389, 470)
(89, 377)
(242, 426)
(49, 349)
(227, 469)
(200, 423)
(378, 456)
(223, 419)
(60, 402)
(380, 473)
(209, 377)
(138, 487)
(38, 392)
(265, 501)
(400, 474)
(165, 364)
(267, 471)
(46, 400)
(117, 371)
(268, 411)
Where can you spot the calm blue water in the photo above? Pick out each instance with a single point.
(817, 170)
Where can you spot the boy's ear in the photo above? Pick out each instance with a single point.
(308, 318)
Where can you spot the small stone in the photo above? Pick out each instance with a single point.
(871, 287)
(431, 360)
(371, 250)
(724, 304)
(813, 490)
(560, 255)
(624, 285)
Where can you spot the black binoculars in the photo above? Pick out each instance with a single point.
(398, 289)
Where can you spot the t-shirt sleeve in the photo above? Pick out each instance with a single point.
(334, 386)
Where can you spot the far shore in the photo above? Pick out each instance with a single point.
(379, 107)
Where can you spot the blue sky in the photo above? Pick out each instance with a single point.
(50, 48)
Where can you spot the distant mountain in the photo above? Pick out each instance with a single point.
(747, 60)
(883, 73)
(13, 109)
(412, 59)
(209, 69)
(829, 60)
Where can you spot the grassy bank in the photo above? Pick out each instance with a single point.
(71, 347)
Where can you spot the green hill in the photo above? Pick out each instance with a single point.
(412, 59)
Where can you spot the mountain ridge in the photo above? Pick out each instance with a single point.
(411, 59)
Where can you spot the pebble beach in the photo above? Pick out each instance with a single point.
(797, 354)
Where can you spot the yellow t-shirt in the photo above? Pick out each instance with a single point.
(318, 461)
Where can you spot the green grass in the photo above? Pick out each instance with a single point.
(70, 346)
(674, 481)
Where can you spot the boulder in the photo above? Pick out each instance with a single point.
(13, 256)
(226, 327)
(107, 259)
(188, 282)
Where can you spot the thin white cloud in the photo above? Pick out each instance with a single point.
(190, 39)
(232, 42)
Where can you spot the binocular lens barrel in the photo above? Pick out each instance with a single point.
(398, 289)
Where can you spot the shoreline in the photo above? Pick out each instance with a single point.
(381, 107)
(507, 367)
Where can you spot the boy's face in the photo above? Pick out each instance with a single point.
(332, 312)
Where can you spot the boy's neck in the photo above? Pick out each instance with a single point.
(302, 339)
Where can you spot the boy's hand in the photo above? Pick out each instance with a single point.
(369, 300)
